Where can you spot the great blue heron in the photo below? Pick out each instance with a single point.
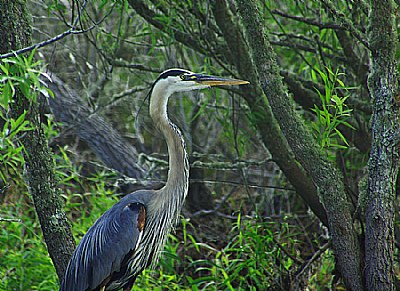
(129, 236)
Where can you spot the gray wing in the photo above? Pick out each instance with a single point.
(116, 234)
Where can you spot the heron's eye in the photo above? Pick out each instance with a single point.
(188, 77)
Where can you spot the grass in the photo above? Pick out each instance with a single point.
(251, 254)
(24, 262)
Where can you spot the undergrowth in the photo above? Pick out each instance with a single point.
(249, 256)
(250, 253)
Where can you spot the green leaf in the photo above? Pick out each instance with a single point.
(25, 89)
(341, 136)
(7, 94)
(4, 68)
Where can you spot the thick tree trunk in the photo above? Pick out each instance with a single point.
(325, 175)
(15, 30)
(383, 164)
(106, 143)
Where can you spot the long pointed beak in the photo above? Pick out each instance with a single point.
(216, 81)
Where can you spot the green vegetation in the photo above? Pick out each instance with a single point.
(22, 74)
(24, 263)
(333, 112)
(272, 162)
(251, 256)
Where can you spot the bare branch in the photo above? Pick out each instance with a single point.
(314, 257)
(46, 42)
(347, 23)
(70, 31)
(309, 21)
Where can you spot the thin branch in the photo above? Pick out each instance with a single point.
(78, 18)
(71, 31)
(115, 99)
(309, 21)
(345, 24)
(348, 24)
(287, 253)
(217, 213)
(314, 257)
(44, 43)
(140, 67)
(10, 219)
(152, 17)
(238, 164)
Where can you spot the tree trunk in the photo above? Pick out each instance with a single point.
(383, 163)
(326, 176)
(106, 143)
(15, 33)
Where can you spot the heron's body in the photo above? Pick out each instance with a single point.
(129, 236)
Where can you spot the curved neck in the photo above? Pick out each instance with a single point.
(177, 183)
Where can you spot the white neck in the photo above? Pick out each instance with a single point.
(177, 183)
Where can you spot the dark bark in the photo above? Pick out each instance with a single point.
(15, 30)
(15, 26)
(326, 176)
(42, 181)
(359, 68)
(383, 164)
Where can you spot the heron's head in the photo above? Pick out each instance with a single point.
(180, 80)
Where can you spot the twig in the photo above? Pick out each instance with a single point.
(283, 249)
(44, 43)
(10, 219)
(70, 31)
(346, 23)
(140, 67)
(314, 257)
(238, 164)
(309, 21)
(217, 213)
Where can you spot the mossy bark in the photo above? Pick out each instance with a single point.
(325, 175)
(383, 164)
(15, 33)
(15, 25)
